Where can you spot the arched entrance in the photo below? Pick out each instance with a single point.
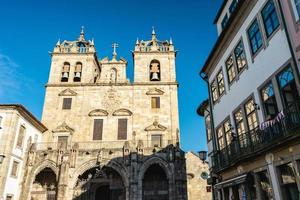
(155, 184)
(44, 185)
(100, 184)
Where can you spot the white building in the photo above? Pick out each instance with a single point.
(253, 109)
(19, 129)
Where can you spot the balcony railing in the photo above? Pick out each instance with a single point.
(90, 145)
(260, 139)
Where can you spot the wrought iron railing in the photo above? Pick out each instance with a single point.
(260, 139)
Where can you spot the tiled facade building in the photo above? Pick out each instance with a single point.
(252, 114)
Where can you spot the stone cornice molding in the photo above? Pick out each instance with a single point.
(155, 91)
(63, 128)
(108, 84)
(98, 112)
(122, 112)
(156, 127)
(67, 92)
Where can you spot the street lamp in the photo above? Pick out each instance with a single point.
(2, 158)
(202, 155)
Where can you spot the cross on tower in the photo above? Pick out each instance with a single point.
(115, 46)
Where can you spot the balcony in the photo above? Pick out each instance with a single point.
(282, 129)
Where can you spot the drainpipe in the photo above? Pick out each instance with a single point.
(288, 38)
(205, 78)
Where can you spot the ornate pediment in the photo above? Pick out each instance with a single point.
(156, 127)
(155, 91)
(122, 112)
(67, 92)
(98, 112)
(63, 128)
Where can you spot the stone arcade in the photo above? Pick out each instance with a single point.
(108, 138)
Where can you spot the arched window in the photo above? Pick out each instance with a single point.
(154, 70)
(65, 72)
(78, 72)
(113, 75)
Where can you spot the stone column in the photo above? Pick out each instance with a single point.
(63, 178)
(273, 175)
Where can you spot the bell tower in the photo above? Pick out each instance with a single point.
(74, 62)
(154, 61)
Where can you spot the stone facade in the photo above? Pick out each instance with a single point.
(108, 137)
(18, 130)
(197, 175)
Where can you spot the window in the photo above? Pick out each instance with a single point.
(224, 21)
(9, 197)
(232, 6)
(208, 127)
(14, 169)
(154, 70)
(255, 37)
(98, 129)
(296, 8)
(221, 140)
(214, 91)
(287, 86)
(288, 183)
(62, 142)
(67, 103)
(21, 136)
(65, 72)
(227, 131)
(230, 69)
(155, 102)
(77, 72)
(122, 129)
(251, 115)
(269, 101)
(240, 56)
(265, 185)
(240, 127)
(221, 86)
(156, 140)
(270, 18)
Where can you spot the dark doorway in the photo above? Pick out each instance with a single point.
(155, 184)
(103, 193)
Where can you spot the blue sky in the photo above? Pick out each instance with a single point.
(30, 29)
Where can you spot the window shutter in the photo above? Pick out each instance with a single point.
(157, 102)
(98, 128)
(67, 102)
(122, 129)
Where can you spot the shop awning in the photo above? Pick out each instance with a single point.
(233, 181)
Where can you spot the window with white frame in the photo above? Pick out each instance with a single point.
(296, 8)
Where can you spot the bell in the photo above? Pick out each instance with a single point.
(154, 76)
(77, 75)
(65, 75)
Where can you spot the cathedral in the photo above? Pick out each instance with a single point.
(107, 137)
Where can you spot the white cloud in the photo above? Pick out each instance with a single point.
(10, 79)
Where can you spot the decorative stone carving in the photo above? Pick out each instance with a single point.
(67, 92)
(122, 112)
(111, 100)
(156, 127)
(98, 112)
(155, 91)
(63, 128)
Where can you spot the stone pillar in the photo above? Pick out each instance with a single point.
(273, 175)
(63, 178)
(133, 178)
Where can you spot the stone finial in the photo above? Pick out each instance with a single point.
(171, 41)
(58, 42)
(81, 37)
(137, 41)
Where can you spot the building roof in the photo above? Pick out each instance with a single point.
(222, 36)
(220, 11)
(202, 107)
(26, 114)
